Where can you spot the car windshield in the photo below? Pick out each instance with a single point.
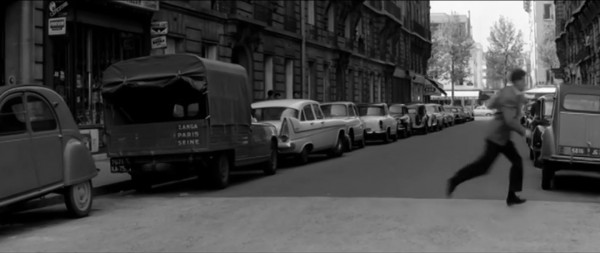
(334, 110)
(580, 102)
(396, 109)
(274, 113)
(371, 111)
(430, 109)
(412, 110)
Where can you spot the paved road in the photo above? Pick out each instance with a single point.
(381, 198)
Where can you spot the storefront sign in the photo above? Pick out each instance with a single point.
(57, 26)
(159, 28)
(151, 5)
(159, 42)
(55, 7)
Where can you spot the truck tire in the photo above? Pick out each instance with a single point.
(302, 158)
(387, 136)
(219, 168)
(78, 199)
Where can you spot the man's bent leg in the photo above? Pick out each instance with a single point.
(477, 168)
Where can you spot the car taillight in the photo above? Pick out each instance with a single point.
(285, 131)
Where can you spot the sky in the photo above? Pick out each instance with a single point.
(484, 14)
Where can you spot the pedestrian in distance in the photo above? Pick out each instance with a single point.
(270, 94)
(508, 102)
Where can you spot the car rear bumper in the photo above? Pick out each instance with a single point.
(560, 162)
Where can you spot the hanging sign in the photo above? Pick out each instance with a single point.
(55, 7)
(159, 28)
(159, 42)
(57, 26)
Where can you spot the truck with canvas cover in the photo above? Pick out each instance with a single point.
(182, 113)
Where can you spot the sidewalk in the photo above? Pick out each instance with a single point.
(314, 224)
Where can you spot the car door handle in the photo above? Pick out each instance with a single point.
(312, 123)
(322, 122)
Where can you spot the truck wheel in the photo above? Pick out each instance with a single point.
(78, 199)
(219, 171)
(270, 167)
(303, 156)
(338, 149)
(396, 136)
(141, 182)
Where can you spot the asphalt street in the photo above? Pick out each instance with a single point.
(385, 197)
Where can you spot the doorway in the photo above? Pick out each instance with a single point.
(240, 56)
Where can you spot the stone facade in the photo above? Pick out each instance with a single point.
(351, 48)
(578, 41)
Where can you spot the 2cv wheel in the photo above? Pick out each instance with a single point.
(78, 199)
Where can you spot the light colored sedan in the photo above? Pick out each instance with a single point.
(302, 127)
(483, 111)
(380, 124)
(355, 126)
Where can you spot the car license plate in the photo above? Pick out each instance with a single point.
(118, 165)
(593, 152)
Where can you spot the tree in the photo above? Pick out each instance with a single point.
(450, 53)
(505, 51)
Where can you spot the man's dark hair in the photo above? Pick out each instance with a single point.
(270, 93)
(517, 74)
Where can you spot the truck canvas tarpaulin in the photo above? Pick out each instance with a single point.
(170, 104)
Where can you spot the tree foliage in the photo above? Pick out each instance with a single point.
(547, 49)
(451, 49)
(505, 51)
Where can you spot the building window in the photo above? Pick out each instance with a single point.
(268, 73)
(209, 51)
(547, 11)
(326, 84)
(331, 18)
(214, 5)
(289, 78)
(348, 28)
(311, 12)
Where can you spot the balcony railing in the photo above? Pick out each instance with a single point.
(421, 30)
(262, 12)
(393, 9)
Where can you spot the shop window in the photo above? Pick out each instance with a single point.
(268, 74)
(12, 116)
(41, 116)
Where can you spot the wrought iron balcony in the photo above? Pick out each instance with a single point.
(393, 9)
(421, 30)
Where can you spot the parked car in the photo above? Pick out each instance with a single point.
(380, 124)
(302, 128)
(348, 112)
(483, 111)
(452, 115)
(437, 118)
(400, 113)
(542, 119)
(42, 150)
(572, 141)
(469, 111)
(419, 118)
(175, 125)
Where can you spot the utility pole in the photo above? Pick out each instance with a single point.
(303, 53)
(452, 83)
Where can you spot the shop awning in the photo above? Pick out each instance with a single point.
(437, 86)
(466, 94)
(400, 73)
(419, 79)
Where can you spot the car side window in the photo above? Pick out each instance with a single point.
(41, 115)
(318, 111)
(12, 116)
(308, 113)
(352, 111)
